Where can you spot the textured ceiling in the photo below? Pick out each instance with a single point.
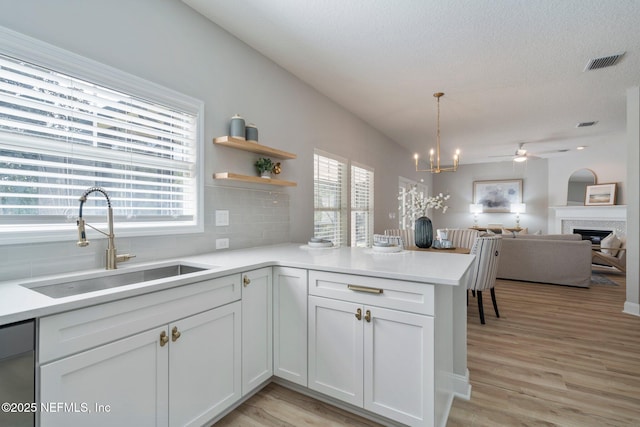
(511, 70)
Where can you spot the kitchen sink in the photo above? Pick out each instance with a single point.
(109, 281)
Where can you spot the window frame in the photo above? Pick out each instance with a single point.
(342, 211)
(369, 212)
(404, 185)
(31, 50)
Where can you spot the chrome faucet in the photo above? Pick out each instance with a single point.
(112, 258)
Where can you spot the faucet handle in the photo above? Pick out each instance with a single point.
(124, 257)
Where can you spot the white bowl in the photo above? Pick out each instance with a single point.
(320, 244)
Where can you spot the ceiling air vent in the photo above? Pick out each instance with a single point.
(607, 61)
(585, 124)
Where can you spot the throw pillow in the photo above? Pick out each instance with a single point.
(610, 242)
(514, 233)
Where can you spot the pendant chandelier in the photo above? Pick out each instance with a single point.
(436, 168)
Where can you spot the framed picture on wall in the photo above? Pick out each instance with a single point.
(600, 195)
(497, 196)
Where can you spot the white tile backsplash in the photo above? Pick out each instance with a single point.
(257, 217)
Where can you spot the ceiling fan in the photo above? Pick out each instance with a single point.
(522, 154)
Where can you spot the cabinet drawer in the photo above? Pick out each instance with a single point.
(395, 294)
(67, 333)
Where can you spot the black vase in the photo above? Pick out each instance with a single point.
(423, 232)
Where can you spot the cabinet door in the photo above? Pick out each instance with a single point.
(121, 383)
(204, 365)
(336, 349)
(257, 328)
(290, 324)
(399, 365)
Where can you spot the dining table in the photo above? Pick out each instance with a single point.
(442, 250)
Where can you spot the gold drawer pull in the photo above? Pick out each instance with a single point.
(164, 339)
(364, 289)
(175, 334)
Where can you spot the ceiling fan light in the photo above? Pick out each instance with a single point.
(520, 159)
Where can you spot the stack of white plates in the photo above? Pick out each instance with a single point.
(316, 242)
(386, 247)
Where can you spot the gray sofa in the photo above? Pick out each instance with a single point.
(561, 259)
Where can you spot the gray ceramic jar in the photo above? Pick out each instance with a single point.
(237, 127)
(252, 132)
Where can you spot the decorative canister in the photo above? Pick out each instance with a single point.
(423, 232)
(237, 127)
(251, 132)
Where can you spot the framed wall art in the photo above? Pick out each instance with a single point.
(497, 196)
(600, 195)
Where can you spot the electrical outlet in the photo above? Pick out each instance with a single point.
(222, 218)
(222, 243)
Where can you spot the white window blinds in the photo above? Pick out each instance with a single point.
(330, 198)
(60, 135)
(361, 205)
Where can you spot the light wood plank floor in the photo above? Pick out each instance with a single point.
(558, 356)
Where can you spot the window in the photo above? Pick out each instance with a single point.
(404, 185)
(330, 204)
(361, 205)
(62, 132)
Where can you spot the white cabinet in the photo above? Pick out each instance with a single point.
(290, 324)
(129, 375)
(257, 329)
(336, 349)
(373, 357)
(204, 365)
(183, 372)
(399, 366)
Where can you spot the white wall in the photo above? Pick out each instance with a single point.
(605, 156)
(168, 43)
(632, 304)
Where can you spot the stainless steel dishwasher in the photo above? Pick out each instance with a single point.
(17, 374)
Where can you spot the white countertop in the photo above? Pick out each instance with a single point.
(17, 302)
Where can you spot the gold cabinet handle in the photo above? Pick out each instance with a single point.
(164, 339)
(175, 334)
(367, 316)
(358, 288)
(246, 280)
(359, 314)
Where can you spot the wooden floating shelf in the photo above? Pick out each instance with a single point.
(240, 144)
(254, 179)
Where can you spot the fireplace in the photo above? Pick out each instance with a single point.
(599, 218)
(594, 235)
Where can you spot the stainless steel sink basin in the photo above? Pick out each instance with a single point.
(81, 286)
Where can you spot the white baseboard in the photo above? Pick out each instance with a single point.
(631, 308)
(461, 386)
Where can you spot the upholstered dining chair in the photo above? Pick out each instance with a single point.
(485, 268)
(462, 237)
(407, 235)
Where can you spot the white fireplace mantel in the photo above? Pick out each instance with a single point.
(612, 217)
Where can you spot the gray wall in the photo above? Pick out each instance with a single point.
(168, 43)
(460, 186)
